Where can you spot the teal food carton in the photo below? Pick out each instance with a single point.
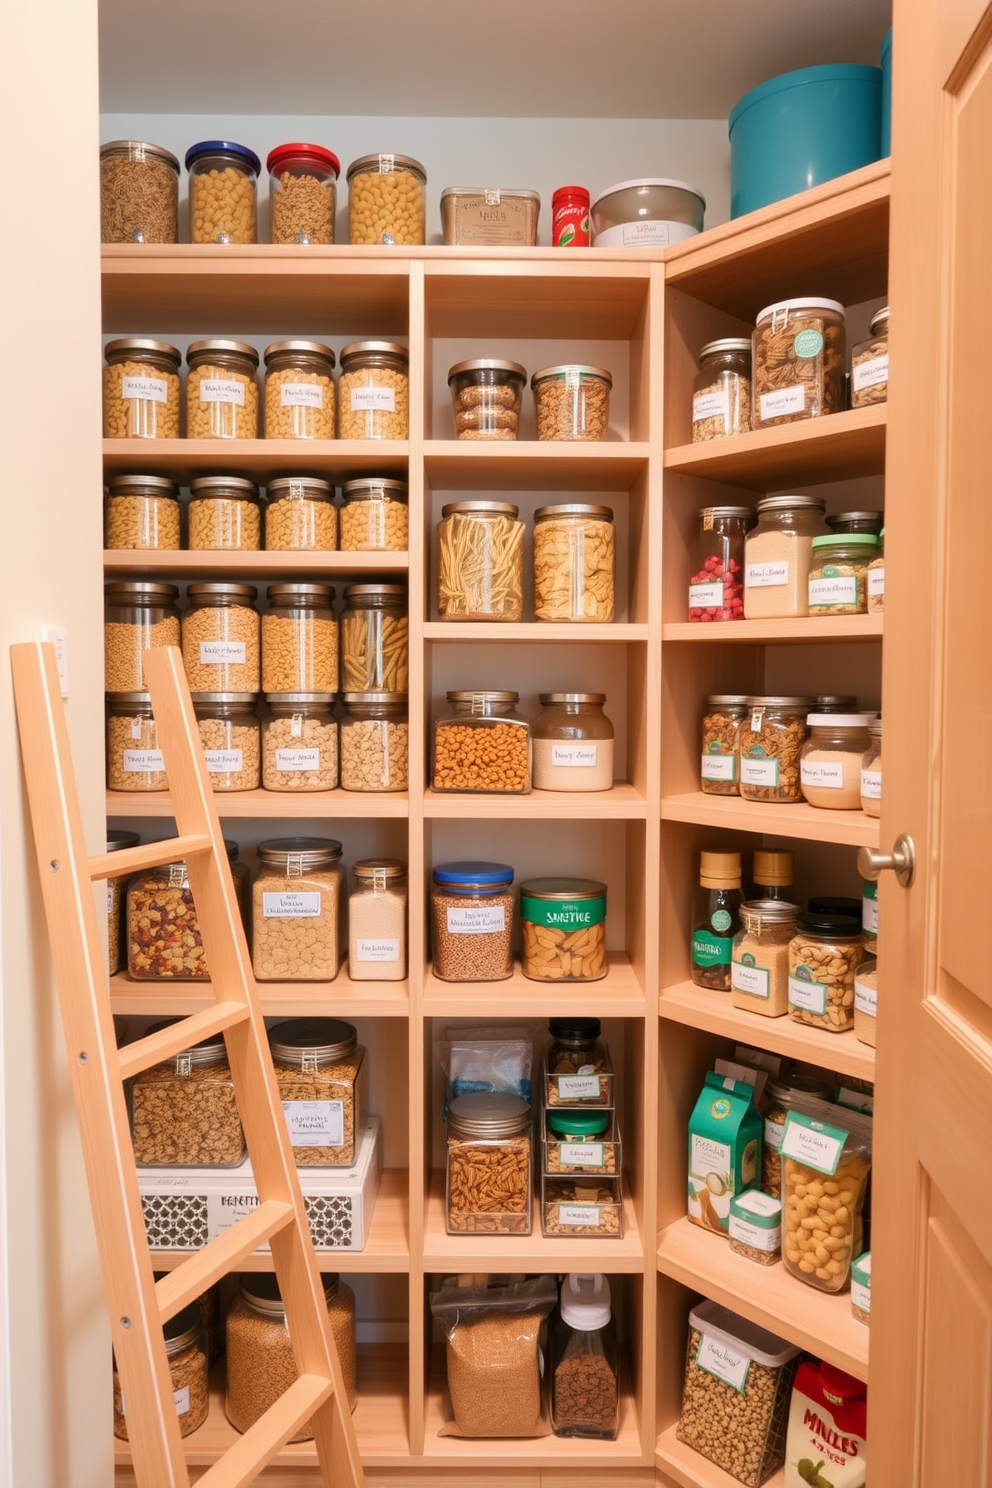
(724, 1150)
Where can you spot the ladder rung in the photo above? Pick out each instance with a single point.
(191, 1279)
(242, 1463)
(148, 855)
(178, 1037)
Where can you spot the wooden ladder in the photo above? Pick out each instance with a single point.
(138, 1305)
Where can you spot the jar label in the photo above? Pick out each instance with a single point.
(137, 761)
(783, 401)
(813, 1143)
(223, 761)
(297, 759)
(706, 596)
(753, 1235)
(301, 395)
(222, 653)
(766, 575)
(181, 1398)
(723, 1362)
(110, 896)
(710, 405)
(807, 994)
(871, 785)
(876, 583)
(580, 1214)
(315, 1123)
(580, 1154)
(860, 1296)
(377, 950)
(711, 950)
(759, 771)
(807, 344)
(854, 1100)
(869, 909)
(578, 1087)
(830, 777)
(719, 767)
(754, 980)
(870, 372)
(153, 389)
(289, 906)
(833, 589)
(574, 756)
(774, 1132)
(378, 399)
(487, 919)
(865, 998)
(562, 914)
(222, 390)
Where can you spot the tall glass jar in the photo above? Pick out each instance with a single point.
(870, 363)
(220, 637)
(375, 644)
(798, 355)
(375, 742)
(574, 563)
(300, 639)
(299, 742)
(564, 929)
(141, 389)
(296, 910)
(299, 390)
(183, 1111)
(759, 972)
(572, 743)
(163, 937)
(721, 393)
(229, 733)
(716, 563)
(387, 200)
(480, 561)
(876, 579)
(585, 1361)
(871, 772)
(824, 954)
(778, 554)
(222, 192)
(719, 769)
(830, 763)
(186, 1353)
(489, 1165)
(472, 921)
(302, 193)
(374, 516)
(482, 745)
(116, 890)
(572, 402)
(224, 514)
(771, 739)
(221, 390)
(374, 391)
(134, 760)
(838, 575)
(300, 515)
(377, 921)
(141, 511)
(138, 617)
(318, 1064)
(578, 1066)
(139, 193)
(716, 919)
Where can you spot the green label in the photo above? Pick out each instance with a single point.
(563, 914)
(566, 236)
(711, 950)
(830, 570)
(808, 344)
(721, 920)
(813, 1143)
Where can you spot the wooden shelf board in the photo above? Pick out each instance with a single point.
(713, 1012)
(592, 297)
(618, 995)
(809, 823)
(174, 564)
(824, 449)
(458, 465)
(265, 805)
(803, 632)
(341, 998)
(689, 1470)
(768, 1295)
(258, 459)
(622, 803)
(541, 632)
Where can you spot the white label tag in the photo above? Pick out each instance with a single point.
(829, 776)
(719, 767)
(723, 1362)
(865, 998)
(783, 401)
(378, 399)
(137, 761)
(871, 372)
(377, 950)
(817, 1149)
(315, 1123)
(759, 772)
(876, 583)
(221, 390)
(710, 405)
(705, 596)
(835, 591)
(766, 575)
(869, 915)
(753, 1235)
(753, 980)
(221, 653)
(225, 1209)
(774, 1132)
(301, 395)
(297, 759)
(579, 1214)
(646, 234)
(578, 756)
(487, 920)
(578, 1087)
(871, 784)
(860, 1296)
(223, 761)
(181, 1397)
(809, 995)
(288, 906)
(580, 1154)
(153, 389)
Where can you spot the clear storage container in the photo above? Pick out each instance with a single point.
(319, 1067)
(377, 921)
(838, 583)
(581, 1208)
(572, 402)
(578, 1071)
(585, 1362)
(374, 515)
(141, 511)
(823, 957)
(871, 772)
(299, 742)
(716, 563)
(472, 920)
(139, 193)
(772, 734)
(580, 1141)
(300, 639)
(116, 892)
(220, 638)
(374, 391)
(229, 733)
(564, 929)
(572, 743)
(830, 763)
(299, 390)
(876, 579)
(867, 523)
(486, 394)
(482, 745)
(778, 555)
(163, 936)
(649, 212)
(141, 389)
(480, 561)
(375, 742)
(222, 192)
(721, 392)
(780, 1095)
(221, 390)
(296, 910)
(138, 617)
(134, 760)
(870, 363)
(759, 972)
(224, 514)
(489, 1170)
(183, 1111)
(719, 770)
(387, 200)
(375, 644)
(574, 563)
(489, 217)
(300, 515)
(186, 1355)
(302, 193)
(798, 361)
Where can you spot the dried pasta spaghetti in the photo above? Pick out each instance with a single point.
(480, 570)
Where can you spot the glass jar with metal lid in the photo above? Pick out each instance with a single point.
(824, 954)
(141, 389)
(876, 578)
(778, 554)
(838, 575)
(139, 193)
(374, 391)
(572, 402)
(871, 772)
(138, 617)
(302, 193)
(319, 1064)
(482, 745)
(186, 1353)
(224, 514)
(299, 390)
(721, 392)
(134, 760)
(377, 921)
(116, 842)
(229, 733)
(573, 743)
(300, 639)
(183, 1111)
(577, 1067)
(141, 512)
(780, 1096)
(480, 561)
(830, 762)
(574, 563)
(486, 394)
(564, 929)
(869, 522)
(719, 768)
(299, 742)
(798, 353)
(489, 1164)
(870, 363)
(296, 910)
(759, 970)
(222, 192)
(716, 563)
(220, 632)
(472, 919)
(374, 516)
(300, 515)
(375, 742)
(834, 702)
(375, 644)
(221, 390)
(163, 936)
(772, 734)
(387, 200)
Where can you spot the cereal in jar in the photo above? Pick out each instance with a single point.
(300, 639)
(838, 573)
(826, 1159)
(222, 192)
(299, 742)
(229, 734)
(798, 356)
(134, 760)
(375, 742)
(374, 391)
(299, 390)
(574, 563)
(870, 363)
(472, 921)
(296, 901)
(300, 515)
(221, 390)
(220, 638)
(772, 734)
(302, 193)
(141, 511)
(374, 515)
(572, 402)
(224, 514)
(319, 1067)
(721, 392)
(138, 617)
(141, 389)
(719, 766)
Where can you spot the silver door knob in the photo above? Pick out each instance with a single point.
(901, 860)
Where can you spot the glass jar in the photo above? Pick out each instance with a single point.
(300, 515)
(387, 200)
(774, 875)
(472, 918)
(183, 1111)
(375, 641)
(138, 617)
(572, 402)
(299, 390)
(585, 1362)
(564, 929)
(864, 522)
(716, 919)
(375, 742)
(224, 514)
(480, 561)
(116, 890)
(759, 973)
(222, 192)
(798, 351)
(300, 639)
(866, 1000)
(876, 578)
(780, 1095)
(489, 1165)
(486, 395)
(771, 739)
(374, 391)
(721, 393)
(302, 193)
(377, 921)
(220, 638)
(482, 745)
(578, 1065)
(374, 516)
(830, 762)
(221, 390)
(718, 773)
(139, 193)
(834, 702)
(870, 363)
(186, 1354)
(823, 956)
(299, 742)
(755, 1228)
(318, 1064)
(838, 573)
(871, 772)
(134, 760)
(869, 916)
(229, 733)
(163, 936)
(716, 583)
(296, 904)
(141, 389)
(574, 563)
(141, 511)
(572, 743)
(778, 554)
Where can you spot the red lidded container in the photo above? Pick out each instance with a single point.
(570, 218)
(303, 193)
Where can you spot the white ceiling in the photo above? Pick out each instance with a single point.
(623, 59)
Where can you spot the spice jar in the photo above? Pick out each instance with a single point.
(564, 929)
(823, 956)
(759, 973)
(864, 522)
(716, 919)
(374, 391)
(300, 515)
(296, 903)
(224, 514)
(773, 875)
(220, 636)
(866, 1000)
(300, 639)
(480, 561)
(570, 227)
(139, 616)
(778, 554)
(318, 1064)
(183, 1111)
(186, 1355)
(574, 563)
(870, 363)
(572, 743)
(585, 1364)
(830, 762)
(572, 402)
(299, 742)
(486, 393)
(141, 389)
(375, 644)
(578, 1065)
(871, 772)
(141, 511)
(580, 1141)
(229, 734)
(222, 205)
(718, 774)
(755, 1228)
(489, 1165)
(139, 193)
(163, 936)
(838, 573)
(798, 352)
(772, 734)
(374, 516)
(302, 193)
(299, 390)
(221, 390)
(116, 888)
(482, 745)
(716, 562)
(134, 760)
(876, 579)
(387, 200)
(780, 1095)
(721, 392)
(377, 921)
(472, 917)
(375, 742)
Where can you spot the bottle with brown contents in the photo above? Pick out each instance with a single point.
(584, 1361)
(716, 919)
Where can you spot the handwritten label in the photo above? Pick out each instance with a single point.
(580, 1214)
(488, 920)
(866, 999)
(578, 1087)
(783, 401)
(750, 979)
(222, 390)
(719, 767)
(376, 399)
(138, 761)
(706, 596)
(722, 1361)
(377, 950)
(871, 785)
(766, 575)
(152, 389)
(835, 591)
(580, 1154)
(301, 395)
(813, 1142)
(222, 653)
(710, 405)
(576, 756)
(870, 372)
(288, 906)
(809, 995)
(759, 772)
(223, 761)
(829, 776)
(297, 759)
(876, 583)
(315, 1123)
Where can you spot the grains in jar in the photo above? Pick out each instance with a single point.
(299, 390)
(489, 1171)
(823, 957)
(377, 921)
(139, 193)
(222, 192)
(116, 888)
(870, 363)
(374, 516)
(572, 402)
(375, 742)
(581, 1142)
(486, 394)
(300, 515)
(778, 554)
(755, 1226)
(772, 734)
(574, 563)
(386, 201)
(318, 1064)
(480, 561)
(141, 389)
(375, 645)
(302, 193)
(798, 354)
(866, 1000)
(221, 390)
(224, 514)
(721, 727)
(575, 1208)
(141, 512)
(721, 392)
(573, 743)
(186, 1354)
(564, 929)
(296, 901)
(759, 972)
(838, 583)
(830, 762)
(374, 391)
(482, 745)
(299, 742)
(871, 772)
(220, 638)
(716, 563)
(229, 733)
(184, 1113)
(139, 617)
(134, 760)
(300, 639)
(472, 919)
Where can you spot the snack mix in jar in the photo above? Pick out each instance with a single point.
(798, 352)
(302, 193)
(719, 765)
(319, 1065)
(572, 402)
(772, 734)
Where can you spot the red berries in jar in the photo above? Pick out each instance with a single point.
(716, 580)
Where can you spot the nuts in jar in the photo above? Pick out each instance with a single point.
(721, 728)
(826, 1158)
(488, 1164)
(480, 561)
(229, 734)
(222, 192)
(772, 734)
(870, 363)
(220, 638)
(572, 402)
(302, 193)
(564, 929)
(299, 390)
(386, 200)
(838, 572)
(141, 511)
(823, 957)
(574, 563)
(134, 760)
(482, 745)
(374, 516)
(374, 391)
(721, 393)
(184, 1113)
(299, 742)
(139, 193)
(781, 1094)
(221, 390)
(141, 389)
(485, 394)
(296, 910)
(319, 1065)
(300, 515)
(798, 352)
(472, 920)
(224, 514)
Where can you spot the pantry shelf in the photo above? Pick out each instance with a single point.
(802, 632)
(618, 995)
(800, 820)
(688, 1469)
(341, 998)
(453, 465)
(255, 567)
(263, 805)
(814, 450)
(623, 803)
(533, 631)
(259, 459)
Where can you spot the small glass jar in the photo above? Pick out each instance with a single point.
(759, 972)
(299, 390)
(374, 517)
(866, 1000)
(772, 734)
(375, 638)
(318, 1064)
(876, 579)
(139, 193)
(141, 512)
(183, 1111)
(778, 554)
(830, 762)
(387, 200)
(224, 515)
(871, 772)
(134, 760)
(755, 1226)
(302, 193)
(116, 891)
(572, 402)
(222, 192)
(798, 353)
(870, 363)
(780, 1095)
(838, 572)
(489, 1165)
(864, 522)
(823, 956)
(482, 745)
(719, 766)
(220, 637)
(574, 563)
(375, 742)
(374, 391)
(138, 617)
(716, 919)
(377, 921)
(578, 1068)
(581, 1141)
(229, 733)
(716, 563)
(163, 936)
(300, 639)
(472, 919)
(221, 390)
(480, 561)
(300, 515)
(774, 874)
(572, 743)
(486, 395)
(296, 911)
(141, 389)
(721, 393)
(299, 742)
(564, 929)
(585, 1361)
(186, 1354)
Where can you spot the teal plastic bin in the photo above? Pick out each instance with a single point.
(886, 143)
(800, 129)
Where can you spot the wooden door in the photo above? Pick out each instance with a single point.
(930, 1396)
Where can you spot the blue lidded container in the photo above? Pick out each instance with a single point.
(222, 192)
(886, 139)
(472, 921)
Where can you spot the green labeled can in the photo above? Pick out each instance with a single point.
(564, 926)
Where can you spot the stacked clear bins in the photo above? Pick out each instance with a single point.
(580, 1179)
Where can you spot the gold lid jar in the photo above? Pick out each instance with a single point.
(300, 515)
(141, 512)
(299, 742)
(134, 760)
(224, 514)
(480, 561)
(574, 563)
(374, 391)
(300, 639)
(299, 390)
(481, 745)
(141, 389)
(221, 390)
(387, 200)
(572, 402)
(139, 193)
(139, 616)
(318, 1064)
(374, 516)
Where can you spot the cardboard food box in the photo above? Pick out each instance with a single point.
(724, 1149)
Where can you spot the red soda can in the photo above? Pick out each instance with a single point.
(570, 218)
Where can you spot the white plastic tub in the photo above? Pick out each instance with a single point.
(647, 213)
